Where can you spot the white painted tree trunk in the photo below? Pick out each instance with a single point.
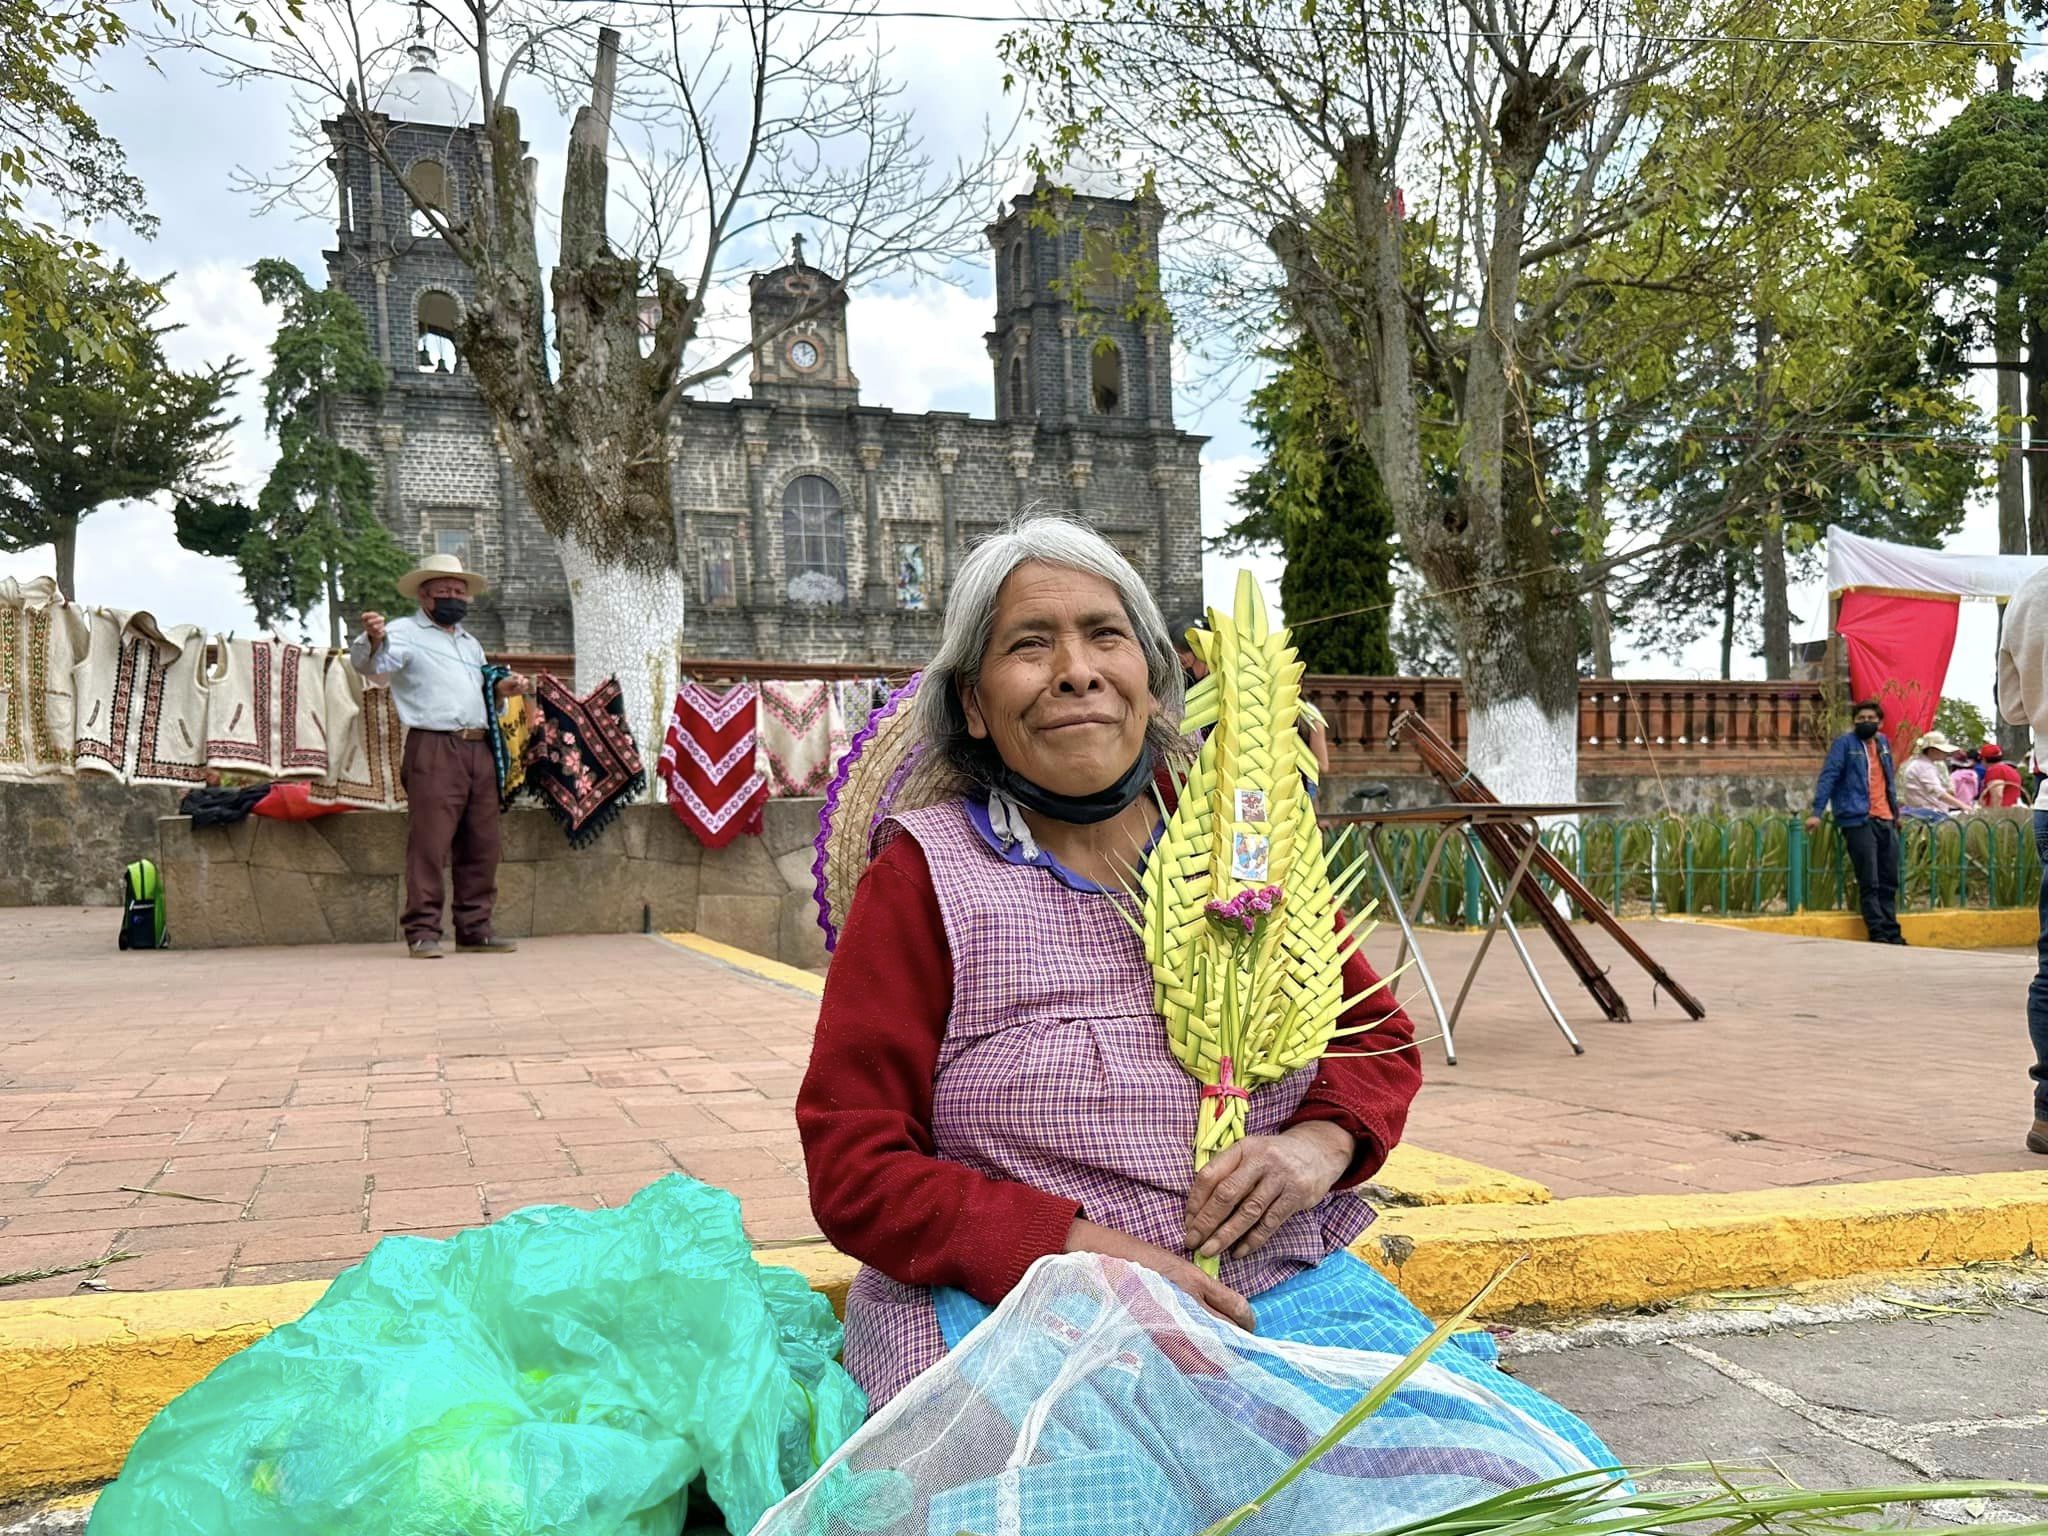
(1523, 754)
(629, 625)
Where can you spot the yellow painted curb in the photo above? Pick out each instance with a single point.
(747, 960)
(1413, 1176)
(80, 1377)
(1625, 1251)
(1992, 928)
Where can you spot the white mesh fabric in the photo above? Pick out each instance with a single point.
(1099, 1398)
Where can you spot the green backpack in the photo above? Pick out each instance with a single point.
(142, 907)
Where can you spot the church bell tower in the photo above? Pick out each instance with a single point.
(1073, 344)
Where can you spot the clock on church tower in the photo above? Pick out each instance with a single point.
(799, 325)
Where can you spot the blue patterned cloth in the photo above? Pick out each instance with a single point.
(1344, 1303)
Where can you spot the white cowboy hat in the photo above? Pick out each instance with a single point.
(441, 565)
(1934, 741)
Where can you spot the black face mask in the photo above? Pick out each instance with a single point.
(1080, 810)
(1865, 729)
(448, 611)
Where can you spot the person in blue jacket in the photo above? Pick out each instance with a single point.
(1857, 781)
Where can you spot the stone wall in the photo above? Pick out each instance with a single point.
(340, 880)
(63, 842)
(938, 481)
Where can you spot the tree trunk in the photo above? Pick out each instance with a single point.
(2035, 370)
(1595, 541)
(2012, 490)
(1777, 600)
(1728, 617)
(629, 622)
(65, 542)
(591, 445)
(1777, 604)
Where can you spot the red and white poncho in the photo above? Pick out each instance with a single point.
(707, 763)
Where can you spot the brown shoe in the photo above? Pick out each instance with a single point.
(424, 949)
(489, 944)
(2037, 1138)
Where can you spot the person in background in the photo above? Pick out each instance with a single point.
(435, 670)
(1857, 782)
(2023, 700)
(1923, 783)
(2002, 783)
(1963, 781)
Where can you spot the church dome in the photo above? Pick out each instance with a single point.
(422, 94)
(1086, 176)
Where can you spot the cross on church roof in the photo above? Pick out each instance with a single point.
(419, 18)
(796, 249)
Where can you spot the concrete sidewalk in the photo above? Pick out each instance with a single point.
(1920, 1397)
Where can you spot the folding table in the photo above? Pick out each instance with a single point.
(1463, 823)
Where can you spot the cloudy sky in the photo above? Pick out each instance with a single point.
(917, 347)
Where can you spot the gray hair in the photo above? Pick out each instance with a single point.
(971, 620)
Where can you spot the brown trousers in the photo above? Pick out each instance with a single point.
(451, 799)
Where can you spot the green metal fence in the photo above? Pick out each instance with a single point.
(1735, 865)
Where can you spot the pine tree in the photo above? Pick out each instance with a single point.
(1319, 499)
(316, 539)
(82, 425)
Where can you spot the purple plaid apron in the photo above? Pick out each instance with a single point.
(1055, 1072)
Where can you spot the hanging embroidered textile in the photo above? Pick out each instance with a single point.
(141, 693)
(857, 699)
(800, 725)
(42, 641)
(511, 726)
(367, 750)
(266, 709)
(708, 765)
(582, 763)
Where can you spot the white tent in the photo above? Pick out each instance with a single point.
(1875, 565)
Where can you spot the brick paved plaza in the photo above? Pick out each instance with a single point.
(313, 1100)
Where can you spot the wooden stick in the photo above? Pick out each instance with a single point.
(1438, 756)
(1465, 786)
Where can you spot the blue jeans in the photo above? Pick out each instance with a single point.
(2037, 989)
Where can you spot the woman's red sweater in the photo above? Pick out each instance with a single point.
(878, 1188)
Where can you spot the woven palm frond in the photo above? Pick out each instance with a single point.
(1246, 1001)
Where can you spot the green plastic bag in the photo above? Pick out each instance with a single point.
(557, 1373)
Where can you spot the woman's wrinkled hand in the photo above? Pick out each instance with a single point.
(1087, 1237)
(1240, 1199)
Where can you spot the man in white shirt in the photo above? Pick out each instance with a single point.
(2023, 700)
(435, 670)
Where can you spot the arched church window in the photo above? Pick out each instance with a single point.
(1019, 405)
(439, 316)
(1017, 272)
(1098, 264)
(1106, 378)
(428, 180)
(814, 542)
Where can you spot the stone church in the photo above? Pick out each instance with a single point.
(812, 526)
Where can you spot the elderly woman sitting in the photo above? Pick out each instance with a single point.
(990, 1083)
